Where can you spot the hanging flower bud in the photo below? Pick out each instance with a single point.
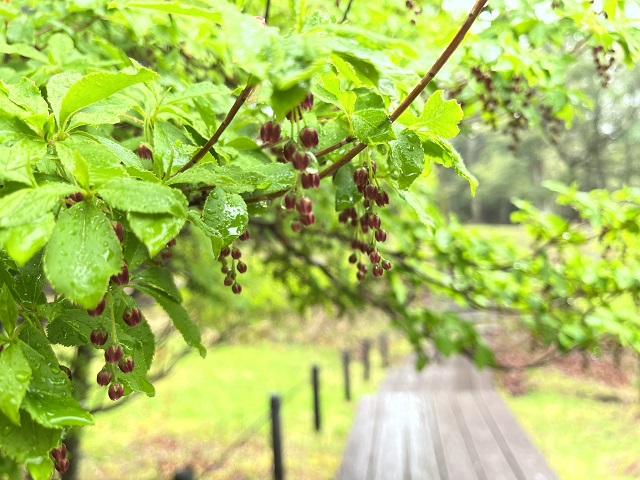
(99, 337)
(144, 152)
(113, 354)
(104, 378)
(304, 206)
(309, 137)
(96, 312)
(126, 365)
(307, 103)
(116, 390)
(132, 317)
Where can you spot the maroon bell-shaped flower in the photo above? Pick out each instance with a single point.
(119, 233)
(116, 390)
(121, 278)
(307, 103)
(62, 466)
(104, 378)
(144, 152)
(304, 205)
(126, 365)
(309, 137)
(132, 317)
(113, 354)
(59, 454)
(96, 312)
(99, 337)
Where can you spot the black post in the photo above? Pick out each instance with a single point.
(345, 368)
(315, 382)
(383, 346)
(366, 364)
(276, 437)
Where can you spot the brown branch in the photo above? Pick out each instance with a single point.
(244, 95)
(419, 88)
(346, 12)
(334, 147)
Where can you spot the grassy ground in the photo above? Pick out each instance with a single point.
(206, 405)
(585, 430)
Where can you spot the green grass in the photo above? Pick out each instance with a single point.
(581, 436)
(206, 404)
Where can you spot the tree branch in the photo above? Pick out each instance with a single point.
(267, 9)
(346, 12)
(242, 98)
(419, 88)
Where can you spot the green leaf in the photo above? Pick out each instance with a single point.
(155, 230)
(159, 278)
(176, 8)
(16, 159)
(27, 94)
(29, 204)
(179, 317)
(30, 282)
(442, 152)
(407, 157)
(96, 86)
(370, 121)
(82, 156)
(198, 90)
(72, 328)
(49, 399)
(15, 375)
(172, 149)
(74, 163)
(82, 255)
(215, 236)
(131, 195)
(29, 441)
(347, 193)
(439, 116)
(8, 310)
(135, 253)
(127, 157)
(40, 468)
(421, 210)
(57, 87)
(226, 213)
(24, 241)
(107, 111)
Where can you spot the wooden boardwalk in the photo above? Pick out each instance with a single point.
(445, 422)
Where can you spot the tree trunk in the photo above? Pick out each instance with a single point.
(81, 382)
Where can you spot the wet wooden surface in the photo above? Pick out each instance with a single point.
(446, 422)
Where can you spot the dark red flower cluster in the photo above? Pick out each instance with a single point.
(237, 265)
(368, 223)
(61, 462)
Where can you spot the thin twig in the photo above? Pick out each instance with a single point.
(346, 12)
(266, 11)
(244, 95)
(334, 147)
(419, 88)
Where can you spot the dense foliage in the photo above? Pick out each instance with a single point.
(126, 123)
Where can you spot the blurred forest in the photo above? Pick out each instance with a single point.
(597, 149)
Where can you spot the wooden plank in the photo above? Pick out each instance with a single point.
(390, 452)
(357, 455)
(456, 461)
(422, 461)
(526, 460)
(480, 437)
